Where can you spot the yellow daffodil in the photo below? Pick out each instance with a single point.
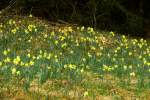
(70, 66)
(89, 55)
(130, 53)
(30, 15)
(14, 31)
(33, 57)
(125, 67)
(64, 45)
(130, 66)
(83, 59)
(10, 22)
(31, 27)
(1, 63)
(65, 66)
(56, 60)
(116, 66)
(26, 31)
(29, 55)
(82, 70)
(1, 31)
(22, 63)
(82, 28)
(7, 60)
(5, 52)
(70, 29)
(18, 72)
(112, 33)
(31, 63)
(148, 63)
(85, 94)
(56, 42)
(26, 65)
(132, 74)
(17, 60)
(13, 71)
(52, 33)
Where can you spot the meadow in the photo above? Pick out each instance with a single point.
(40, 61)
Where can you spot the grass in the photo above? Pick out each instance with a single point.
(38, 60)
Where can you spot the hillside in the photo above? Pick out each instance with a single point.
(39, 59)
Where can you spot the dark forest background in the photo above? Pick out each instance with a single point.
(124, 16)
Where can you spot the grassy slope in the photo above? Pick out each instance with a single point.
(39, 60)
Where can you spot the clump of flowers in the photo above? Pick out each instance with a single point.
(55, 52)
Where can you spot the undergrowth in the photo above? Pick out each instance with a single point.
(70, 61)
